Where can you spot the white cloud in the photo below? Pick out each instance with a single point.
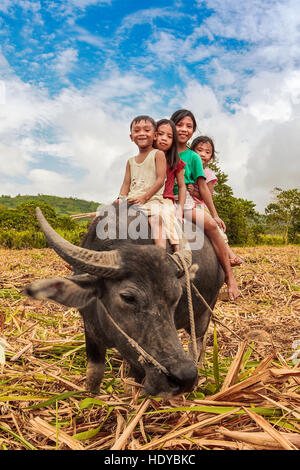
(12, 160)
(273, 96)
(5, 5)
(84, 35)
(64, 62)
(52, 182)
(25, 107)
(144, 16)
(89, 129)
(274, 160)
(244, 39)
(255, 21)
(167, 47)
(71, 9)
(83, 4)
(266, 24)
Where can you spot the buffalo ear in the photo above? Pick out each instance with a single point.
(70, 292)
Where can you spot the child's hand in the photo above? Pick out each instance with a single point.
(220, 223)
(179, 212)
(141, 200)
(190, 188)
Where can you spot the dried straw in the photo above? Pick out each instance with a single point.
(44, 405)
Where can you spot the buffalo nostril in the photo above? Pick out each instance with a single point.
(28, 291)
(184, 376)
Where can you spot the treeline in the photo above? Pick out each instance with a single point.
(19, 227)
(62, 205)
(245, 226)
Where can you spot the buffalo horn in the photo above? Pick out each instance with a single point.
(101, 264)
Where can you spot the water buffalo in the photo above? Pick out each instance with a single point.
(133, 285)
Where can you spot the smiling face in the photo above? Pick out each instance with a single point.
(185, 129)
(205, 150)
(142, 133)
(164, 137)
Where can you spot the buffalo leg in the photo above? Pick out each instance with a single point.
(95, 349)
(95, 353)
(137, 372)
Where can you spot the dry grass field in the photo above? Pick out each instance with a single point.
(248, 392)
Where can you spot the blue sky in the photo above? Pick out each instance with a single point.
(74, 73)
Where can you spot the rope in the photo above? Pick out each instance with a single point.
(216, 320)
(144, 356)
(213, 316)
(190, 307)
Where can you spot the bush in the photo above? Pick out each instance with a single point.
(275, 240)
(19, 227)
(24, 218)
(64, 223)
(22, 239)
(15, 239)
(11, 219)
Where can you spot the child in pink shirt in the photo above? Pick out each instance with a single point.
(205, 148)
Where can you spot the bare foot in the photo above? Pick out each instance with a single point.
(232, 289)
(236, 261)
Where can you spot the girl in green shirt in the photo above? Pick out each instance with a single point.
(185, 123)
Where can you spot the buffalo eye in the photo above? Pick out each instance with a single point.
(128, 298)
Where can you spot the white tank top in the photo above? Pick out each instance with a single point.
(143, 176)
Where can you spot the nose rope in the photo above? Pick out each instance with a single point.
(144, 356)
(190, 305)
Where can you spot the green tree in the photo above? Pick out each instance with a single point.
(28, 209)
(241, 219)
(285, 212)
(24, 218)
(12, 219)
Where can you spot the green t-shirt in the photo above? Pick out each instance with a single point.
(193, 168)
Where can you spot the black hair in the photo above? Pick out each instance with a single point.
(142, 118)
(182, 113)
(172, 156)
(204, 139)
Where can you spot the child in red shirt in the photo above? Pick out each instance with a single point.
(166, 140)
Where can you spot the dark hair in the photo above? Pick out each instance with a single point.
(182, 113)
(172, 156)
(143, 118)
(204, 139)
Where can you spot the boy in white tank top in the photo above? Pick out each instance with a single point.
(145, 178)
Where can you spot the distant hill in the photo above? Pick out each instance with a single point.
(62, 205)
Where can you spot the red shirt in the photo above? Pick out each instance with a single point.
(171, 175)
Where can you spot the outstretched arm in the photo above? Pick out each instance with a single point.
(126, 182)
